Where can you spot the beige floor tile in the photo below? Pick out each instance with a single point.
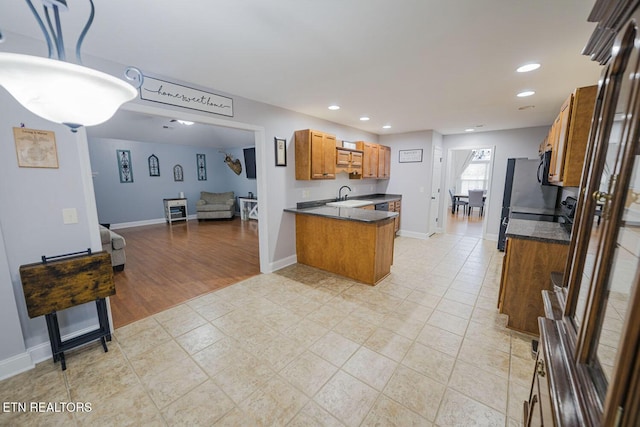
(306, 332)
(386, 412)
(132, 403)
(335, 348)
(213, 309)
(200, 338)
(220, 355)
(173, 382)
(388, 344)
(347, 398)
(279, 352)
(26, 419)
(355, 328)
(183, 322)
(105, 381)
(521, 370)
(415, 391)
(485, 356)
(441, 340)
(243, 377)
(521, 345)
(448, 322)
(462, 297)
(327, 316)
(135, 328)
(308, 373)
(429, 362)
(202, 406)
(370, 367)
(459, 410)
(276, 402)
(454, 307)
(497, 337)
(413, 311)
(312, 415)
(480, 385)
(151, 336)
(158, 359)
(408, 328)
(518, 394)
(424, 298)
(43, 383)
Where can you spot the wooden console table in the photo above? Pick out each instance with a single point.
(65, 281)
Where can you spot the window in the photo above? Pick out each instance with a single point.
(476, 174)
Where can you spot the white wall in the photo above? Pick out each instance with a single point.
(507, 144)
(412, 180)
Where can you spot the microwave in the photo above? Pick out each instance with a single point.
(543, 168)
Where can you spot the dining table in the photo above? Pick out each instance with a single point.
(457, 197)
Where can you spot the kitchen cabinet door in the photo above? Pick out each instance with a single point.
(384, 161)
(369, 159)
(315, 155)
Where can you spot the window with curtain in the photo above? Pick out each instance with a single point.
(476, 175)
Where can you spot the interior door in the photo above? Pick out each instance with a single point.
(435, 190)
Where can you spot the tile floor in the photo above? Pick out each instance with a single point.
(301, 347)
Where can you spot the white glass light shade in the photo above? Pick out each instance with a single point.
(63, 92)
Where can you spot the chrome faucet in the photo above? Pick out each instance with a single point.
(340, 197)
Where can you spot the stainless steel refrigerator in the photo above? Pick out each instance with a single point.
(524, 197)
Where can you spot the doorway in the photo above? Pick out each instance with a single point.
(468, 169)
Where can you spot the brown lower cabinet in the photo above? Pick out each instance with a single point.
(526, 272)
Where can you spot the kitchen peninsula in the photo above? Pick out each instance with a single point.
(352, 242)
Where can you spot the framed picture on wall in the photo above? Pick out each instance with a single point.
(178, 173)
(281, 151)
(410, 156)
(201, 162)
(154, 165)
(35, 148)
(124, 166)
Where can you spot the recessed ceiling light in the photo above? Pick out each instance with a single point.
(334, 107)
(364, 118)
(469, 130)
(528, 67)
(185, 122)
(386, 127)
(525, 93)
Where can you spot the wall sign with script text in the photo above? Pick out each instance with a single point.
(182, 96)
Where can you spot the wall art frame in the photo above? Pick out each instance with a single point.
(281, 151)
(125, 169)
(178, 173)
(154, 165)
(410, 156)
(201, 162)
(36, 148)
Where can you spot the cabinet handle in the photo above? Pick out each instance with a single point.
(540, 368)
(601, 196)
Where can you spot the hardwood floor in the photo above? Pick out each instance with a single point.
(468, 225)
(168, 265)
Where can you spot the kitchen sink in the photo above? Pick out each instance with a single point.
(350, 203)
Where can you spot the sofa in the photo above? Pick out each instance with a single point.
(114, 244)
(215, 205)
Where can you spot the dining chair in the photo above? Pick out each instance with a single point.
(476, 200)
(456, 203)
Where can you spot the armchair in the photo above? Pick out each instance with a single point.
(215, 205)
(114, 244)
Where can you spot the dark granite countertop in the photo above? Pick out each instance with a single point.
(374, 198)
(350, 214)
(542, 231)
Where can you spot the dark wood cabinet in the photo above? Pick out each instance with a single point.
(591, 352)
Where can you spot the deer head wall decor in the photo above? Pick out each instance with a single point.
(234, 164)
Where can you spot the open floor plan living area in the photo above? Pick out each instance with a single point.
(302, 347)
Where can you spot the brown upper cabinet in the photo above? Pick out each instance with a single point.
(376, 162)
(349, 161)
(384, 162)
(315, 155)
(568, 137)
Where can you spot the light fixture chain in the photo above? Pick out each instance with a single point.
(42, 27)
(135, 76)
(84, 32)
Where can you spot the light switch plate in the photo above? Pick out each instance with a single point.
(70, 216)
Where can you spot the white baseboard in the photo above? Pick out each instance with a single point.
(137, 223)
(282, 263)
(16, 365)
(36, 354)
(413, 234)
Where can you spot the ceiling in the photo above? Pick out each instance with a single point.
(445, 65)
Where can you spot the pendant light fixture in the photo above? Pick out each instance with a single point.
(60, 91)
